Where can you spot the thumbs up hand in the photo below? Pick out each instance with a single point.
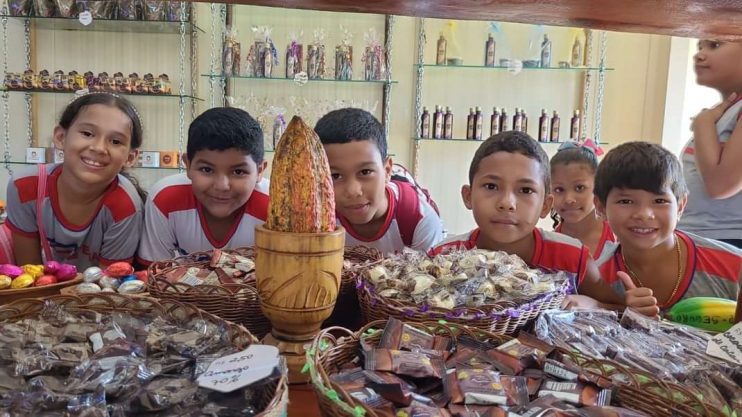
(639, 299)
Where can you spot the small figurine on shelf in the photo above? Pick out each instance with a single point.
(13, 81)
(120, 83)
(316, 56)
(30, 81)
(265, 52)
(104, 82)
(60, 81)
(45, 80)
(149, 83)
(374, 57)
(294, 55)
(162, 85)
(344, 56)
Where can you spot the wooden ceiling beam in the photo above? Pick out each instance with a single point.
(687, 18)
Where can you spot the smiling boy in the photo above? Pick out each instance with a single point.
(219, 200)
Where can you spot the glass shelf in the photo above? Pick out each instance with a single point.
(504, 68)
(175, 96)
(328, 80)
(109, 25)
(473, 140)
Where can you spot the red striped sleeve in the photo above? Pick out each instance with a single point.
(719, 263)
(27, 188)
(175, 198)
(119, 203)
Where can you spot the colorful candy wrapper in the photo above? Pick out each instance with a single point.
(344, 57)
(266, 55)
(230, 53)
(294, 55)
(316, 56)
(374, 57)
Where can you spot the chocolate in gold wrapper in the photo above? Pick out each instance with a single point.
(5, 282)
(22, 281)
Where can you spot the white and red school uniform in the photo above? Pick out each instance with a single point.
(605, 236)
(174, 222)
(410, 222)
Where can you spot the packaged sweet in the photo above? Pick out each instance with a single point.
(5, 282)
(10, 270)
(154, 9)
(131, 287)
(162, 85)
(13, 81)
(412, 364)
(178, 11)
(129, 10)
(45, 280)
(92, 274)
(67, 8)
(19, 7)
(119, 269)
(316, 56)
(88, 287)
(29, 80)
(66, 272)
(294, 55)
(266, 54)
(45, 80)
(577, 393)
(374, 57)
(22, 281)
(486, 387)
(44, 8)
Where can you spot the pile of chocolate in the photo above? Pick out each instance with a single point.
(412, 372)
(83, 363)
(222, 268)
(669, 351)
(459, 278)
(74, 81)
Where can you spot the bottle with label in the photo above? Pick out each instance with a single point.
(489, 52)
(440, 55)
(523, 121)
(546, 52)
(504, 121)
(470, 120)
(574, 126)
(478, 123)
(555, 127)
(517, 120)
(425, 124)
(448, 124)
(576, 60)
(438, 123)
(543, 127)
(495, 122)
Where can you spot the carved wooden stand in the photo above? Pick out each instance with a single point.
(298, 278)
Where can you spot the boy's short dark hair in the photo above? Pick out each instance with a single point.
(223, 128)
(512, 142)
(350, 125)
(639, 166)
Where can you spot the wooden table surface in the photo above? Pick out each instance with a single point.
(302, 402)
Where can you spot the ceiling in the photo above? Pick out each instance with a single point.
(687, 18)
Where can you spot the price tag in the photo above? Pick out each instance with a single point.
(85, 18)
(727, 345)
(240, 369)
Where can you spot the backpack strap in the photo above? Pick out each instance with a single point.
(40, 194)
(408, 211)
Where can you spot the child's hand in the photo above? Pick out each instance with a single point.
(712, 115)
(639, 299)
(580, 301)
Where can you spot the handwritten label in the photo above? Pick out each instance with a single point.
(86, 18)
(240, 369)
(727, 345)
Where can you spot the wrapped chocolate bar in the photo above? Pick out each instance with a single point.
(178, 11)
(518, 354)
(44, 8)
(485, 387)
(400, 336)
(344, 56)
(577, 393)
(129, 10)
(294, 55)
(374, 58)
(19, 7)
(154, 9)
(412, 364)
(266, 55)
(316, 56)
(67, 8)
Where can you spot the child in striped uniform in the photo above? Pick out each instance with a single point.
(572, 180)
(508, 192)
(639, 188)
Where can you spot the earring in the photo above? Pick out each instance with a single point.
(598, 216)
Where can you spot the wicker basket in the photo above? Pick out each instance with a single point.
(644, 392)
(347, 311)
(10, 295)
(505, 317)
(237, 302)
(336, 346)
(274, 399)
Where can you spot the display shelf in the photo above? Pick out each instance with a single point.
(148, 168)
(473, 140)
(108, 25)
(327, 80)
(506, 68)
(176, 96)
